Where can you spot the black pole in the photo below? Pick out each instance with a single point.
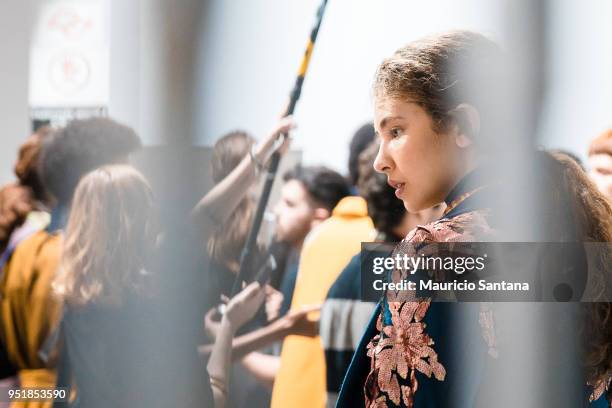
(246, 257)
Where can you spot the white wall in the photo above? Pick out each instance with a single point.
(125, 68)
(250, 51)
(15, 17)
(152, 66)
(579, 105)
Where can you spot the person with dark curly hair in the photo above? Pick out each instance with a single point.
(361, 139)
(75, 150)
(29, 312)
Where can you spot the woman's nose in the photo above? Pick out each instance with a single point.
(381, 163)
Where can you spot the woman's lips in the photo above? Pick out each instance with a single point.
(399, 187)
(399, 190)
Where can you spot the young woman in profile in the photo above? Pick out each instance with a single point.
(112, 331)
(415, 352)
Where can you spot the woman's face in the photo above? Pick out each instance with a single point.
(421, 164)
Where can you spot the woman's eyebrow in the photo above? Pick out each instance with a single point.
(387, 119)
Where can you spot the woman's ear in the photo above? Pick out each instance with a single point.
(467, 120)
(321, 213)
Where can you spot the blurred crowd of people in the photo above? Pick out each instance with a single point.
(83, 288)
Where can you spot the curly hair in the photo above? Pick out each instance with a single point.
(439, 71)
(80, 147)
(385, 209)
(593, 214)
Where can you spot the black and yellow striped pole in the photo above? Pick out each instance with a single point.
(297, 89)
(246, 257)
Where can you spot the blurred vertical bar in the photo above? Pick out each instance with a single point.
(15, 23)
(537, 364)
(518, 376)
(178, 173)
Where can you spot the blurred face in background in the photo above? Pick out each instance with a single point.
(601, 172)
(296, 214)
(420, 163)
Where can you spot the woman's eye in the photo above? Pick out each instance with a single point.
(604, 172)
(396, 132)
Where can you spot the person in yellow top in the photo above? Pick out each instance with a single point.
(300, 381)
(23, 213)
(29, 313)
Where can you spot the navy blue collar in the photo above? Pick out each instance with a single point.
(469, 182)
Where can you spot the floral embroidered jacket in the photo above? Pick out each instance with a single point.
(427, 354)
(415, 353)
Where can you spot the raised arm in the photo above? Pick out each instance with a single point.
(219, 203)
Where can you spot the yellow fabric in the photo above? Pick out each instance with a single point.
(41, 378)
(28, 310)
(300, 381)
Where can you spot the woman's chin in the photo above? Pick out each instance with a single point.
(410, 206)
(414, 207)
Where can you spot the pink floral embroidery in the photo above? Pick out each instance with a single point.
(400, 350)
(403, 348)
(599, 390)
